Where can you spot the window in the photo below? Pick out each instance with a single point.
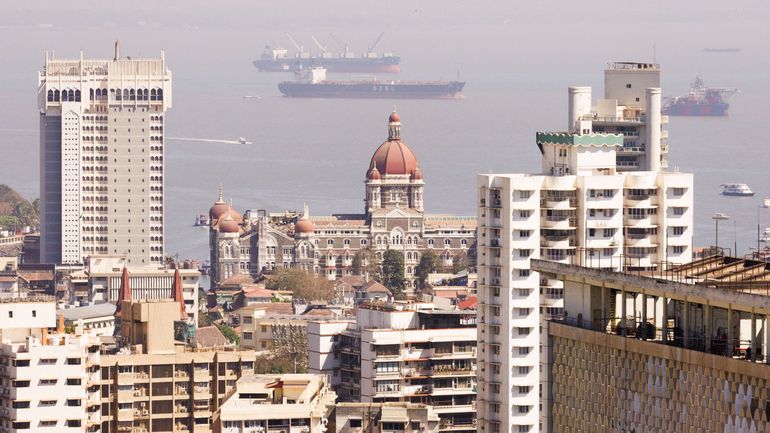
(495, 388)
(387, 367)
(47, 403)
(524, 233)
(678, 192)
(20, 384)
(524, 390)
(73, 423)
(678, 249)
(524, 194)
(591, 232)
(73, 361)
(20, 404)
(525, 213)
(264, 328)
(523, 272)
(679, 210)
(10, 314)
(524, 253)
(523, 370)
(73, 381)
(248, 336)
(47, 361)
(447, 242)
(525, 428)
(495, 407)
(330, 242)
(608, 233)
(388, 386)
(524, 350)
(524, 292)
(34, 313)
(592, 213)
(73, 402)
(430, 242)
(678, 230)
(495, 348)
(355, 423)
(524, 311)
(49, 423)
(495, 311)
(523, 331)
(247, 320)
(48, 382)
(628, 86)
(495, 368)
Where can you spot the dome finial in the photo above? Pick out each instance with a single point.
(394, 126)
(221, 195)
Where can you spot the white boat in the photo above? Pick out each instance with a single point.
(736, 189)
(766, 203)
(765, 235)
(242, 140)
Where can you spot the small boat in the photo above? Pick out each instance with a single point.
(736, 189)
(766, 203)
(201, 220)
(242, 140)
(765, 235)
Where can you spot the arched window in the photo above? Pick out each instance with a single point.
(50, 96)
(64, 96)
(153, 95)
(447, 242)
(132, 95)
(77, 96)
(91, 93)
(464, 243)
(160, 94)
(430, 243)
(56, 95)
(125, 94)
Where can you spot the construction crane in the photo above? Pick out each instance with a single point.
(318, 44)
(298, 46)
(344, 46)
(374, 44)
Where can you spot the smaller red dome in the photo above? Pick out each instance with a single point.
(217, 210)
(394, 117)
(417, 174)
(374, 174)
(228, 224)
(304, 226)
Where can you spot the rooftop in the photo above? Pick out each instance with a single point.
(88, 312)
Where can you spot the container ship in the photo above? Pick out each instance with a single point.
(312, 83)
(277, 59)
(702, 101)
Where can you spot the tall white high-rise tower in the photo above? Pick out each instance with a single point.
(101, 158)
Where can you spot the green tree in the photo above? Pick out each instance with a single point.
(459, 263)
(303, 285)
(358, 263)
(430, 262)
(392, 272)
(229, 333)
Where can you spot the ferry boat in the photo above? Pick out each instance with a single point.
(736, 189)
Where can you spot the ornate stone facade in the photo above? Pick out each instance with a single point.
(393, 218)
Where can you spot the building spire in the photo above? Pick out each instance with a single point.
(177, 293)
(124, 294)
(117, 49)
(394, 126)
(221, 195)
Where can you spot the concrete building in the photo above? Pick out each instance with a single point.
(384, 417)
(98, 319)
(262, 331)
(102, 276)
(289, 403)
(47, 378)
(583, 207)
(101, 158)
(683, 349)
(155, 384)
(402, 352)
(393, 218)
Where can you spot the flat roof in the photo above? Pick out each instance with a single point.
(88, 312)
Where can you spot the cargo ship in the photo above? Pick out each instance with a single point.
(312, 83)
(278, 59)
(702, 101)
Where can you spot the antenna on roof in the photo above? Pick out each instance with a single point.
(117, 49)
(654, 54)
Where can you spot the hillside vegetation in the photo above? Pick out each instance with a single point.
(15, 210)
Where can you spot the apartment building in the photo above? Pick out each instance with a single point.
(48, 380)
(155, 384)
(402, 352)
(101, 278)
(384, 417)
(262, 331)
(101, 158)
(584, 207)
(685, 349)
(288, 403)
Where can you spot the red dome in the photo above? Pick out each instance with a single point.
(417, 174)
(219, 209)
(228, 224)
(304, 226)
(394, 117)
(394, 157)
(373, 174)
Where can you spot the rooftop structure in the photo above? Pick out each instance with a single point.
(273, 403)
(674, 350)
(384, 417)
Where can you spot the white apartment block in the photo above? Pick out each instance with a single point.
(402, 352)
(288, 403)
(102, 276)
(47, 380)
(101, 158)
(587, 207)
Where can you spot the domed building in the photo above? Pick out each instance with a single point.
(393, 218)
